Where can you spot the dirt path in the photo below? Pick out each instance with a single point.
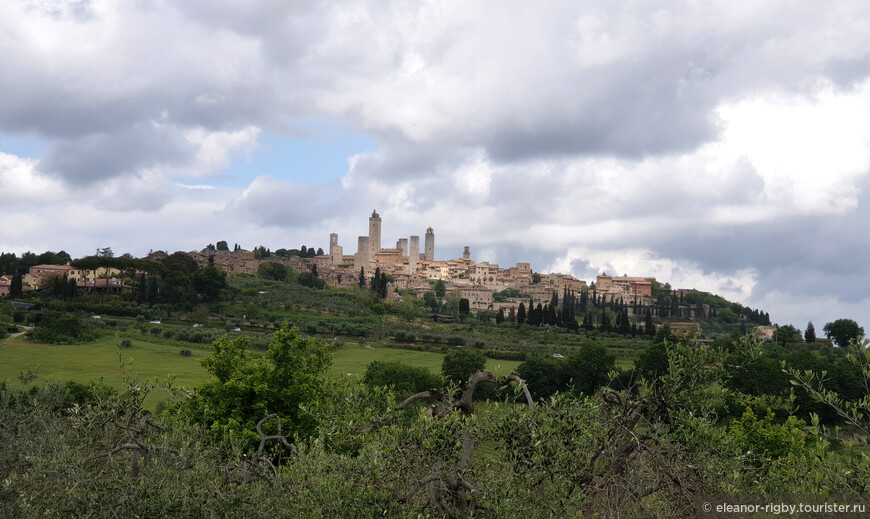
(18, 334)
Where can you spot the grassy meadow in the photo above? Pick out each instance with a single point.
(102, 361)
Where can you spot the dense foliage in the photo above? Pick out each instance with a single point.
(403, 379)
(243, 387)
(648, 451)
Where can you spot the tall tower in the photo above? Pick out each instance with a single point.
(402, 245)
(374, 234)
(363, 251)
(335, 250)
(413, 253)
(429, 253)
(466, 254)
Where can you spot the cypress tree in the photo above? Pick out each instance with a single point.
(152, 290)
(376, 279)
(16, 287)
(141, 294)
(521, 314)
(648, 327)
(605, 322)
(810, 334)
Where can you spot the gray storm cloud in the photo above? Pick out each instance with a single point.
(524, 130)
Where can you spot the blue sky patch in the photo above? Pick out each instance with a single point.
(309, 152)
(24, 146)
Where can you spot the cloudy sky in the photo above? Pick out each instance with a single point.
(717, 145)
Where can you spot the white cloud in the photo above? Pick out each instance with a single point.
(690, 141)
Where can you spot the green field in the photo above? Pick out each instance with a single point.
(100, 362)
(353, 359)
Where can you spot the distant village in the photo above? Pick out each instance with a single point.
(411, 269)
(407, 266)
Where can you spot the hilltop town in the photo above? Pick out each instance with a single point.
(405, 269)
(410, 269)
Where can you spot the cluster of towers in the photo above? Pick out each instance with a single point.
(369, 249)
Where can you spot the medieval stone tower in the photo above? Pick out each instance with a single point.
(429, 253)
(466, 254)
(413, 253)
(374, 234)
(336, 252)
(363, 250)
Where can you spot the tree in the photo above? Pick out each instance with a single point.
(464, 306)
(222, 245)
(141, 294)
(605, 322)
(544, 376)
(152, 291)
(362, 277)
(288, 380)
(459, 364)
(272, 270)
(810, 333)
(440, 289)
(405, 380)
(664, 334)
(499, 317)
(521, 314)
(16, 288)
(786, 334)
(105, 252)
(180, 262)
(209, 281)
(843, 331)
(652, 361)
(648, 327)
(375, 281)
(430, 301)
(536, 278)
(588, 368)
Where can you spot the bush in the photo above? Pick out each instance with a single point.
(185, 353)
(126, 343)
(58, 327)
(458, 365)
(405, 380)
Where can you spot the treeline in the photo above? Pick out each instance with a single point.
(11, 264)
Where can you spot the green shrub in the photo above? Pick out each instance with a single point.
(459, 364)
(405, 380)
(59, 327)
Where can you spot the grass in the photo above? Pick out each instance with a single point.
(99, 362)
(353, 359)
